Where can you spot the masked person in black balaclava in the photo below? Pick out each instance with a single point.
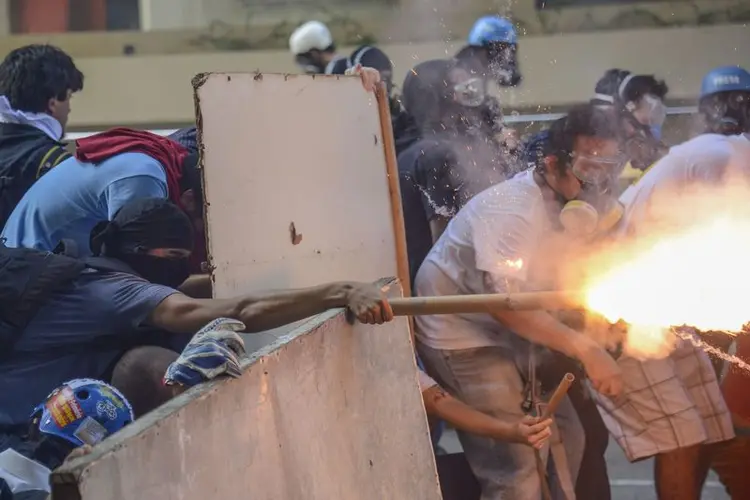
(152, 238)
(121, 322)
(455, 157)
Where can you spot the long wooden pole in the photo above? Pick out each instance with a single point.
(391, 168)
(467, 304)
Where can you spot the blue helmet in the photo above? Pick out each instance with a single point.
(725, 79)
(83, 411)
(492, 29)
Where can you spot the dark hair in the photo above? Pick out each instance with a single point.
(192, 178)
(583, 120)
(636, 88)
(426, 91)
(32, 75)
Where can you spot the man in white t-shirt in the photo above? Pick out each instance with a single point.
(673, 407)
(498, 243)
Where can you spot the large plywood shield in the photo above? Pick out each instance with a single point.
(298, 192)
(296, 171)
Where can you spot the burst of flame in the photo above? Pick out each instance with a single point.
(695, 277)
(515, 264)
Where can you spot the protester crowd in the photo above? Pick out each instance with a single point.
(105, 312)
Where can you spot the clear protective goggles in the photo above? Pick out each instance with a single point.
(597, 170)
(652, 109)
(470, 93)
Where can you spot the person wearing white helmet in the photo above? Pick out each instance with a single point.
(313, 48)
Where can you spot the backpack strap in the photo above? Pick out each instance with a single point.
(107, 264)
(70, 248)
(53, 157)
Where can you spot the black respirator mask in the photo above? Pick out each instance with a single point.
(503, 60)
(309, 64)
(596, 209)
(466, 101)
(726, 113)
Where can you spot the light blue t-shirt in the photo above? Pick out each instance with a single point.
(78, 333)
(68, 201)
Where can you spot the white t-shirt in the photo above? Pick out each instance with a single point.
(703, 161)
(425, 381)
(497, 233)
(23, 474)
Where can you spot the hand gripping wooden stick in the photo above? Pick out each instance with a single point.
(549, 410)
(484, 303)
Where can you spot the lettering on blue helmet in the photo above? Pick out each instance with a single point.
(726, 80)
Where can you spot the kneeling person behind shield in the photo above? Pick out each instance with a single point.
(115, 319)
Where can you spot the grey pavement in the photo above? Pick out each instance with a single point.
(629, 481)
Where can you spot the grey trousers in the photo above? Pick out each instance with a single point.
(491, 379)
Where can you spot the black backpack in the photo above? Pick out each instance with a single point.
(29, 277)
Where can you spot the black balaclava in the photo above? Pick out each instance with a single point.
(142, 225)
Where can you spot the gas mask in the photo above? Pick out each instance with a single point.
(726, 113)
(464, 107)
(470, 93)
(309, 64)
(642, 144)
(596, 209)
(503, 64)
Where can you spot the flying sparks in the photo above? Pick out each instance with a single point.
(696, 277)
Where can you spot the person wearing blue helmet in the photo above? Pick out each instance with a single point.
(74, 417)
(724, 98)
(694, 421)
(492, 47)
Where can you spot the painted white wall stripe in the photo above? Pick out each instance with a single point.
(540, 117)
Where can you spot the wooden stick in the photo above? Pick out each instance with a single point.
(391, 168)
(466, 304)
(549, 410)
(558, 395)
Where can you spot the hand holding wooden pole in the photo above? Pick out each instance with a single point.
(549, 410)
(485, 303)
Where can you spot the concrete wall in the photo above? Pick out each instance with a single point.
(559, 70)
(331, 412)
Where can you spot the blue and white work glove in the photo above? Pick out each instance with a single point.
(214, 351)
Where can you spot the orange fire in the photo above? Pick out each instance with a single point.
(697, 276)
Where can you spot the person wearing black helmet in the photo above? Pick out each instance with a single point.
(637, 103)
(367, 56)
(454, 157)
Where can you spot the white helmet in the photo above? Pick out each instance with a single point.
(309, 36)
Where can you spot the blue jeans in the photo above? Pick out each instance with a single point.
(491, 379)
